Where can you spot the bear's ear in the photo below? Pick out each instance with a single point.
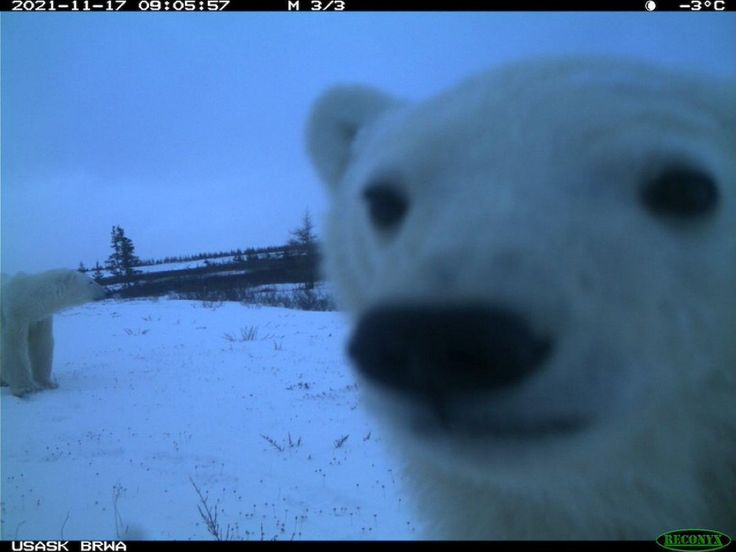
(336, 118)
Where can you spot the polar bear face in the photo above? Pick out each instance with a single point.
(34, 297)
(74, 288)
(28, 304)
(541, 268)
(68, 288)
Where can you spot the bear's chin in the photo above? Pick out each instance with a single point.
(456, 425)
(484, 420)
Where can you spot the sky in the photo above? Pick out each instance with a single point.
(188, 129)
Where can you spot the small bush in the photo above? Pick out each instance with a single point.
(301, 298)
(246, 334)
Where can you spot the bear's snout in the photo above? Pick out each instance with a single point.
(439, 350)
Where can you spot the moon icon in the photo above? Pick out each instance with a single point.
(650, 6)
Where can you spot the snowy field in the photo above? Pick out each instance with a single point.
(254, 407)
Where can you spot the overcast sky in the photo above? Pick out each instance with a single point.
(187, 129)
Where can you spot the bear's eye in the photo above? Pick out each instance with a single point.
(681, 192)
(386, 205)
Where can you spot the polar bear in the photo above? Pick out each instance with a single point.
(541, 269)
(28, 304)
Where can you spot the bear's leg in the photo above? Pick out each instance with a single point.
(41, 351)
(16, 364)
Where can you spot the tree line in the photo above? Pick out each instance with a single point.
(122, 262)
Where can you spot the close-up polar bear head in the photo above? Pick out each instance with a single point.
(540, 265)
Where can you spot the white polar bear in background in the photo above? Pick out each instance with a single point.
(541, 268)
(28, 302)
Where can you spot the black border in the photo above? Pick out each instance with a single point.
(541, 546)
(337, 6)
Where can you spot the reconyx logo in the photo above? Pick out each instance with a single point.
(693, 540)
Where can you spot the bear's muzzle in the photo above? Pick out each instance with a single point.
(443, 351)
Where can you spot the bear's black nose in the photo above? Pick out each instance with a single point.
(445, 349)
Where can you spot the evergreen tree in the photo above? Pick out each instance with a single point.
(98, 271)
(123, 258)
(128, 257)
(304, 236)
(304, 241)
(113, 261)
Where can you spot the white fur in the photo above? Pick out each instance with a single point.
(523, 187)
(28, 304)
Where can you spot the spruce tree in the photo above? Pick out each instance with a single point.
(304, 236)
(304, 242)
(123, 259)
(98, 271)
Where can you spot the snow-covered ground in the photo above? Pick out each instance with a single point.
(252, 406)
